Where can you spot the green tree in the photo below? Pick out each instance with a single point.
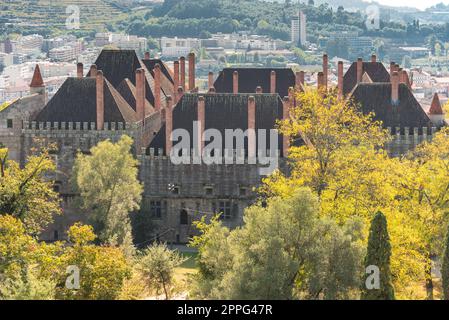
(109, 188)
(157, 264)
(378, 255)
(283, 251)
(445, 269)
(26, 193)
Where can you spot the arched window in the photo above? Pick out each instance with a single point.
(184, 217)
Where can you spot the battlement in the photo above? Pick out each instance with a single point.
(408, 131)
(34, 126)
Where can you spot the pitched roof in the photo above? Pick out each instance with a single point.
(118, 65)
(224, 111)
(251, 78)
(167, 81)
(37, 80)
(376, 97)
(375, 70)
(128, 91)
(75, 101)
(435, 107)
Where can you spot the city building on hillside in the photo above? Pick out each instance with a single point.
(299, 29)
(177, 47)
(30, 44)
(68, 52)
(121, 41)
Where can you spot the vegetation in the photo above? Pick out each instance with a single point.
(109, 187)
(378, 255)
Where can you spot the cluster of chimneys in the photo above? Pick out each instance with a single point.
(179, 86)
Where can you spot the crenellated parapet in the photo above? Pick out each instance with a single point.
(406, 139)
(33, 126)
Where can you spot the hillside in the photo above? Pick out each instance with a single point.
(46, 16)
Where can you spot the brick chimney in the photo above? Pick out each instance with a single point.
(285, 115)
(93, 71)
(168, 126)
(320, 81)
(176, 80)
(201, 123)
(259, 90)
(157, 87)
(325, 70)
(273, 82)
(340, 79)
(395, 88)
(251, 127)
(140, 94)
(373, 58)
(191, 71)
(79, 70)
(147, 56)
(182, 62)
(392, 67)
(436, 113)
(100, 99)
(210, 80)
(235, 82)
(300, 80)
(359, 70)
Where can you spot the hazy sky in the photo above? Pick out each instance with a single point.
(421, 4)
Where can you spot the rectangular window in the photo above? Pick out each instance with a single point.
(225, 210)
(209, 191)
(9, 123)
(156, 209)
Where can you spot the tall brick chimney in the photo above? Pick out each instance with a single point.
(300, 79)
(273, 82)
(182, 62)
(201, 123)
(210, 80)
(395, 88)
(191, 71)
(359, 70)
(176, 80)
(100, 99)
(147, 56)
(168, 126)
(373, 58)
(320, 81)
(285, 115)
(79, 70)
(140, 95)
(235, 82)
(157, 87)
(252, 127)
(93, 71)
(340, 79)
(325, 70)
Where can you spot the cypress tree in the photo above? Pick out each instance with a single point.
(378, 255)
(445, 269)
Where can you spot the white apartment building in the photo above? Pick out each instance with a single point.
(30, 44)
(68, 52)
(298, 29)
(177, 47)
(6, 59)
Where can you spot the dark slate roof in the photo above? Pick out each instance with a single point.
(224, 111)
(376, 97)
(118, 65)
(164, 68)
(375, 70)
(251, 78)
(75, 101)
(128, 91)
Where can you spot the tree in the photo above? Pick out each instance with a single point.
(283, 251)
(26, 193)
(157, 264)
(103, 270)
(445, 269)
(378, 255)
(109, 188)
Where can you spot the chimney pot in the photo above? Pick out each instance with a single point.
(373, 58)
(395, 88)
(340, 79)
(182, 62)
(235, 82)
(273, 82)
(320, 80)
(359, 70)
(259, 90)
(325, 70)
(147, 55)
(191, 71)
(140, 95)
(210, 80)
(79, 70)
(157, 86)
(93, 71)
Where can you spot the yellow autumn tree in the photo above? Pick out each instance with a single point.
(338, 152)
